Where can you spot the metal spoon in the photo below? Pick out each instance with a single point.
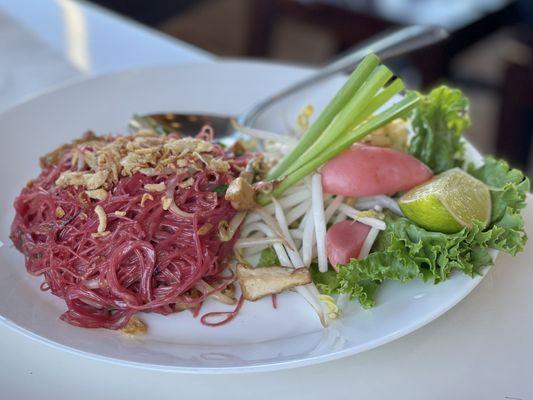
(388, 45)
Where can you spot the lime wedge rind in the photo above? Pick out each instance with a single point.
(448, 202)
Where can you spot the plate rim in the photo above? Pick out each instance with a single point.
(273, 366)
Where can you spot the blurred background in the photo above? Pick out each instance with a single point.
(489, 55)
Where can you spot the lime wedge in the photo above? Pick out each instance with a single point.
(448, 202)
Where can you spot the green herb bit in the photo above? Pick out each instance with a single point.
(220, 189)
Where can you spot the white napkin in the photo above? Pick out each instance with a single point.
(27, 66)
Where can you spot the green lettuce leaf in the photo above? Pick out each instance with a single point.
(508, 194)
(268, 258)
(438, 123)
(404, 251)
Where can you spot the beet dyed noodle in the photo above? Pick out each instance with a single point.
(151, 258)
(275, 301)
(229, 315)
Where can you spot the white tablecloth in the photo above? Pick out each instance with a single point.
(481, 349)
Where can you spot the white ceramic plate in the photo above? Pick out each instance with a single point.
(260, 338)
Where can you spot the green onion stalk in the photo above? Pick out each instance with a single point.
(353, 113)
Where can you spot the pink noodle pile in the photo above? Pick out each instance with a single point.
(150, 261)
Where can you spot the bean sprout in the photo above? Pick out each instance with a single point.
(320, 222)
(354, 214)
(366, 203)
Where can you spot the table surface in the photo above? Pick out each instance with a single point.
(481, 349)
(452, 14)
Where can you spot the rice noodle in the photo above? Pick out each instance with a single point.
(328, 198)
(227, 315)
(149, 260)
